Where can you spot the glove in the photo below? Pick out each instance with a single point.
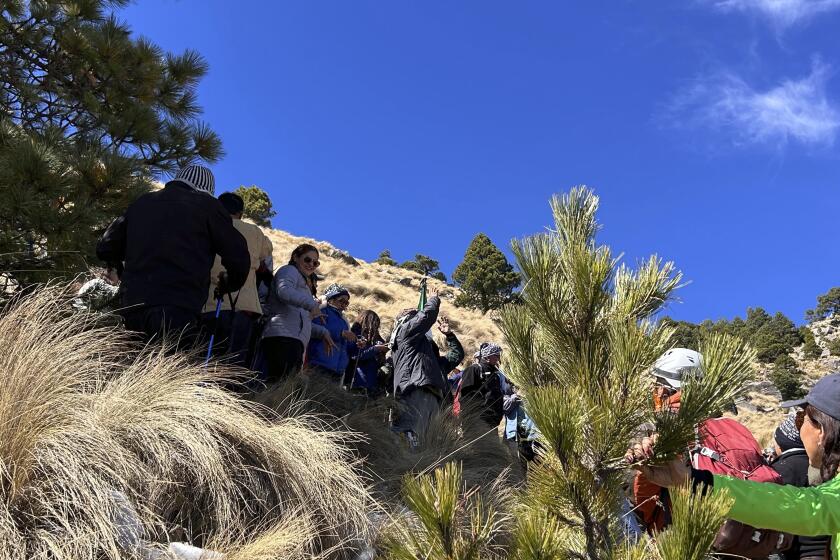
(221, 285)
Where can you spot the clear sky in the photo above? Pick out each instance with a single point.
(708, 127)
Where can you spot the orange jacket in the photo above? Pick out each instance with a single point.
(652, 505)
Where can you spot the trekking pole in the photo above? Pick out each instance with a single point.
(215, 328)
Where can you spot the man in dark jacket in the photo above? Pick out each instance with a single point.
(481, 385)
(166, 242)
(419, 383)
(791, 462)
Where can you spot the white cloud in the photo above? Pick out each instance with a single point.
(794, 110)
(783, 13)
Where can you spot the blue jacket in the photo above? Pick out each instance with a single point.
(366, 375)
(335, 323)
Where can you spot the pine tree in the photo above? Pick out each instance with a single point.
(385, 258)
(810, 349)
(827, 304)
(787, 377)
(258, 207)
(485, 276)
(423, 264)
(580, 346)
(89, 117)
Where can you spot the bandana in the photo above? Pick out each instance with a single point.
(489, 349)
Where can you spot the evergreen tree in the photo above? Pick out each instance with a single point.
(88, 117)
(787, 377)
(580, 346)
(258, 207)
(827, 304)
(385, 258)
(485, 276)
(810, 349)
(422, 265)
(834, 347)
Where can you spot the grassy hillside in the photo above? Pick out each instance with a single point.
(386, 290)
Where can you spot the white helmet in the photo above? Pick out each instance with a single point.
(676, 365)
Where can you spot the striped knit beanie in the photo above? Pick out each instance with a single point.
(198, 177)
(787, 435)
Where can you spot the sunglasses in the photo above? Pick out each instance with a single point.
(799, 419)
(313, 262)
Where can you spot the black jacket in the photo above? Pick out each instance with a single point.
(416, 356)
(792, 465)
(481, 384)
(168, 240)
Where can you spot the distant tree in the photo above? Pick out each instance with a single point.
(385, 258)
(686, 335)
(771, 336)
(787, 377)
(485, 276)
(89, 117)
(439, 276)
(258, 207)
(827, 304)
(422, 264)
(810, 349)
(834, 347)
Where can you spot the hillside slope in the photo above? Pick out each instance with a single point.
(387, 290)
(760, 410)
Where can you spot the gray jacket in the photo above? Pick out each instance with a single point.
(416, 360)
(289, 305)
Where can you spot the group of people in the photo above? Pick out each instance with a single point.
(192, 272)
(187, 265)
(786, 497)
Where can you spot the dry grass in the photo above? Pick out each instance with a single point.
(377, 287)
(91, 426)
(386, 458)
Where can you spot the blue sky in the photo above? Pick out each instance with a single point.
(708, 127)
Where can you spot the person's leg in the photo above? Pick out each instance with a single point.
(420, 406)
(427, 406)
(240, 336)
(284, 357)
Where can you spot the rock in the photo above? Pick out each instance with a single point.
(343, 256)
(764, 387)
(405, 281)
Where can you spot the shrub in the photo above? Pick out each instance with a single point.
(95, 427)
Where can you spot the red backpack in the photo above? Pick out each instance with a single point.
(725, 446)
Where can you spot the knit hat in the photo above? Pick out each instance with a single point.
(787, 436)
(335, 290)
(198, 177)
(489, 349)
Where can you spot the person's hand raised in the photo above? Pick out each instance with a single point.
(674, 473)
(443, 325)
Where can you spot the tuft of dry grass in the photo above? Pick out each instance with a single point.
(92, 427)
(377, 287)
(386, 458)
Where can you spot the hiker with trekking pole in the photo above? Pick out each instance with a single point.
(366, 356)
(420, 385)
(165, 244)
(232, 318)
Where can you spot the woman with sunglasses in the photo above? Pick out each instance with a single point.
(800, 511)
(292, 306)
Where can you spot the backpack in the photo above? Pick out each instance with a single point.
(725, 446)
